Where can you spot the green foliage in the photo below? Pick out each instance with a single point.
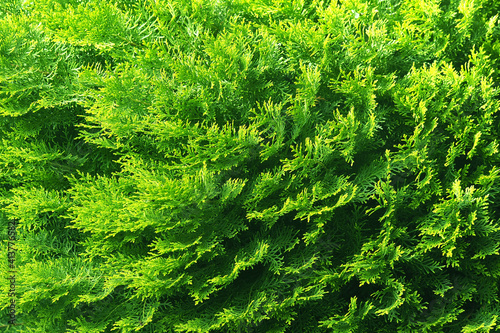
(251, 166)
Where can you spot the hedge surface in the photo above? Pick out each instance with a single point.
(250, 165)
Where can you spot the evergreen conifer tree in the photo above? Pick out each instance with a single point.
(250, 165)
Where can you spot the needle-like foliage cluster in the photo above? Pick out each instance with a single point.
(251, 165)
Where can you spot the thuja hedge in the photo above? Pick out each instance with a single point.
(251, 165)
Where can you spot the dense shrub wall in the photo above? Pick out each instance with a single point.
(251, 165)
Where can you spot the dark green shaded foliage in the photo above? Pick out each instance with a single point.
(251, 166)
